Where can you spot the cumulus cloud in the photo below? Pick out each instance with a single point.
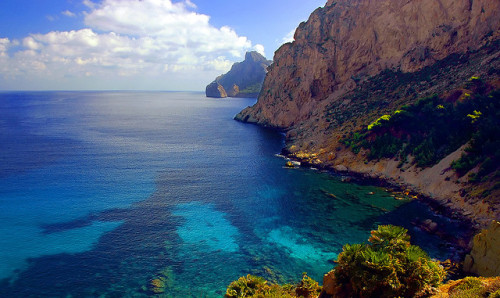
(131, 38)
(260, 49)
(4, 44)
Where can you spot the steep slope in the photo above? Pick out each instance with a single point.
(356, 60)
(243, 80)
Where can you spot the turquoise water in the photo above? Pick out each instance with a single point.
(103, 192)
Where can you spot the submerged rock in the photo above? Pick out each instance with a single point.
(157, 286)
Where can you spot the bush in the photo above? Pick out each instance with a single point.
(245, 286)
(254, 286)
(307, 287)
(475, 287)
(387, 267)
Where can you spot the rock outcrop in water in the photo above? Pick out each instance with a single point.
(243, 80)
(356, 60)
(215, 89)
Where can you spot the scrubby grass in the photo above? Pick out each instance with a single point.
(477, 287)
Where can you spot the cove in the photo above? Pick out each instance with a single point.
(121, 188)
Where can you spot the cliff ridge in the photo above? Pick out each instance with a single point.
(243, 80)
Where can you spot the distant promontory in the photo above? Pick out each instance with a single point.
(243, 80)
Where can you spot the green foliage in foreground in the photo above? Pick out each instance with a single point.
(432, 128)
(475, 287)
(389, 266)
(254, 286)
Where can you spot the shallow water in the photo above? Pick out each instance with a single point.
(102, 192)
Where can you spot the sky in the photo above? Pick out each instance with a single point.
(178, 45)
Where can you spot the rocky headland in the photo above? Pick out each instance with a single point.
(356, 63)
(243, 80)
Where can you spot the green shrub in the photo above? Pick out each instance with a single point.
(379, 122)
(307, 287)
(389, 266)
(257, 287)
(468, 287)
(246, 286)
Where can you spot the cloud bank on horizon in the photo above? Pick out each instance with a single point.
(125, 44)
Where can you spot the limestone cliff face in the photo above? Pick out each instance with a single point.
(243, 80)
(349, 40)
(484, 258)
(316, 88)
(216, 90)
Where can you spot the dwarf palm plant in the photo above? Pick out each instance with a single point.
(389, 266)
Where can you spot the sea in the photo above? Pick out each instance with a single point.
(139, 194)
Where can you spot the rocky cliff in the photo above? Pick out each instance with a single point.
(243, 80)
(356, 60)
(484, 259)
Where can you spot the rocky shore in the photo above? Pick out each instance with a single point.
(337, 77)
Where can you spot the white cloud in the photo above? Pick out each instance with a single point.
(51, 18)
(68, 13)
(30, 43)
(289, 37)
(4, 44)
(190, 4)
(89, 4)
(139, 39)
(260, 49)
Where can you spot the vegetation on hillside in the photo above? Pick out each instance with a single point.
(434, 127)
(255, 88)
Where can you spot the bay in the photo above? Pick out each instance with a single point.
(107, 193)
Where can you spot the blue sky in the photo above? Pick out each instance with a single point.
(137, 44)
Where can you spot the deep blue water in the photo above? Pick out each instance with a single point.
(103, 192)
